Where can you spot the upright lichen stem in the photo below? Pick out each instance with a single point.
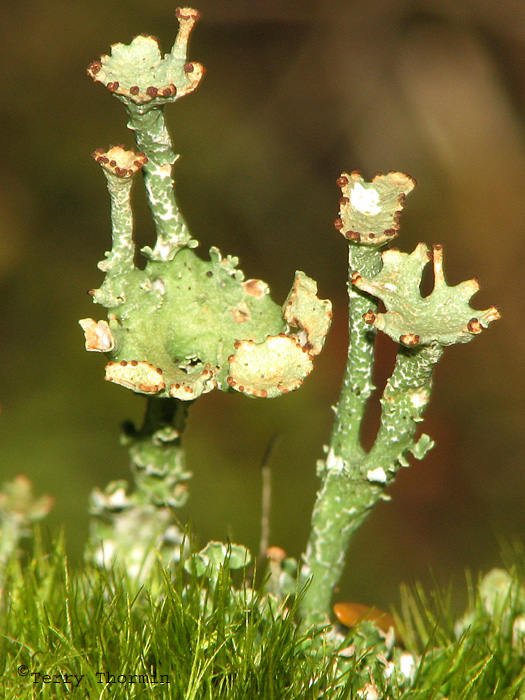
(352, 482)
(342, 497)
(404, 400)
(352, 487)
(369, 218)
(134, 528)
(156, 453)
(153, 138)
(357, 381)
(122, 247)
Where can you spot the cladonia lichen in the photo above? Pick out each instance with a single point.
(180, 326)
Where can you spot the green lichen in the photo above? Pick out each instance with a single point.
(444, 316)
(175, 325)
(178, 326)
(352, 480)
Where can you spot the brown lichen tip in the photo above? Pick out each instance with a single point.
(137, 375)
(410, 340)
(276, 366)
(370, 211)
(188, 385)
(119, 162)
(99, 337)
(139, 73)
(187, 19)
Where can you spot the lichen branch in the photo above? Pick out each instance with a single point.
(351, 481)
(133, 528)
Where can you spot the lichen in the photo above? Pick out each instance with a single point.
(444, 316)
(176, 326)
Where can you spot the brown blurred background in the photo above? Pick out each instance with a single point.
(295, 93)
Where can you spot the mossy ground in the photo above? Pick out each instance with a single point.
(92, 633)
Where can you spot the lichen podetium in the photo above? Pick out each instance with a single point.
(353, 481)
(181, 326)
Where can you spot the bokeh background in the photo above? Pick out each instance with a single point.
(295, 93)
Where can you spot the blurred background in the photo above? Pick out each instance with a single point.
(295, 93)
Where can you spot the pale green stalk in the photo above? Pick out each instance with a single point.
(153, 139)
(352, 482)
(343, 493)
(179, 326)
(134, 528)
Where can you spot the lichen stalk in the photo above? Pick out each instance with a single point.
(351, 489)
(369, 218)
(134, 528)
(404, 400)
(123, 248)
(179, 326)
(357, 381)
(352, 482)
(333, 520)
(156, 453)
(153, 138)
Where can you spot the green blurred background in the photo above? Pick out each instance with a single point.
(295, 93)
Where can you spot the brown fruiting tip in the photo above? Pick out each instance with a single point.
(123, 363)
(95, 67)
(409, 339)
(353, 236)
(369, 317)
(342, 181)
(343, 201)
(134, 90)
(189, 67)
(474, 326)
(152, 91)
(355, 277)
(338, 224)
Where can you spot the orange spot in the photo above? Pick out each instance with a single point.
(349, 614)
